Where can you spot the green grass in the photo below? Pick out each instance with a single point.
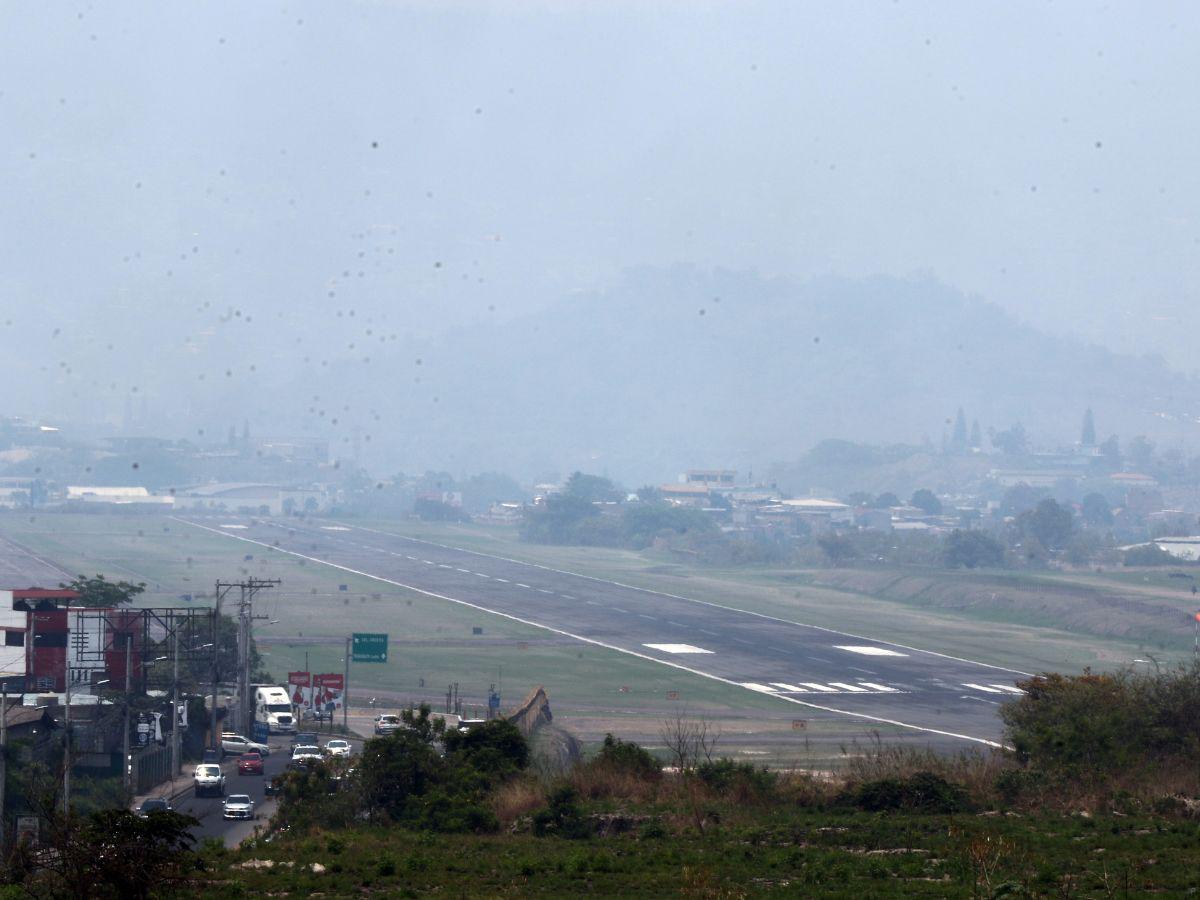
(592, 690)
(749, 853)
(1034, 638)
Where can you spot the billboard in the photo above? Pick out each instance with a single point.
(327, 691)
(299, 687)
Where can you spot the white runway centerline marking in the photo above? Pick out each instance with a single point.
(676, 648)
(869, 651)
(522, 585)
(505, 580)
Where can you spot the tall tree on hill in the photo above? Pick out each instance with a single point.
(976, 435)
(927, 501)
(1088, 436)
(958, 443)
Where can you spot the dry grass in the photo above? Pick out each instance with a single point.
(609, 783)
(518, 798)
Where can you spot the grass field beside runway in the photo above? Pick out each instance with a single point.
(1034, 640)
(592, 689)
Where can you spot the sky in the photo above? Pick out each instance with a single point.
(198, 198)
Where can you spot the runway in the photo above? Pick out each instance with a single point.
(950, 699)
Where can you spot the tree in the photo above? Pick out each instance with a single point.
(972, 550)
(1088, 435)
(1111, 450)
(926, 500)
(1096, 511)
(1141, 450)
(591, 488)
(111, 853)
(838, 548)
(959, 441)
(648, 493)
(557, 521)
(99, 592)
(886, 500)
(1012, 441)
(1050, 523)
(976, 435)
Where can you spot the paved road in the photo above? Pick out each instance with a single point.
(208, 809)
(20, 567)
(952, 700)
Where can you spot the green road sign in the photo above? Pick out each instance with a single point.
(369, 648)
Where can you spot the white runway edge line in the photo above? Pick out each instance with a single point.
(634, 587)
(586, 640)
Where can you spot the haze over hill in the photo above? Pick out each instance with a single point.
(680, 367)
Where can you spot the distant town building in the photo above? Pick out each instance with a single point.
(122, 496)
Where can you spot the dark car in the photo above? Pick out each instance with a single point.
(250, 763)
(274, 787)
(211, 756)
(305, 737)
(153, 804)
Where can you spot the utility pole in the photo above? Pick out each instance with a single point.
(67, 740)
(246, 617)
(346, 689)
(3, 766)
(175, 701)
(128, 778)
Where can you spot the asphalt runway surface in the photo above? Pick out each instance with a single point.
(950, 700)
(20, 567)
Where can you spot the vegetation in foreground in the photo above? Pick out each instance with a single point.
(1100, 796)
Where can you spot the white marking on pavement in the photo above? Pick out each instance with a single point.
(483, 575)
(235, 527)
(823, 688)
(784, 686)
(651, 618)
(676, 648)
(984, 688)
(464, 571)
(764, 689)
(706, 631)
(869, 651)
(328, 528)
(853, 688)
(505, 580)
(1009, 688)
(882, 688)
(568, 597)
(586, 640)
(522, 585)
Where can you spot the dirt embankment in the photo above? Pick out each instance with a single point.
(1082, 609)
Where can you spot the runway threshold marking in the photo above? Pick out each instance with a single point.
(709, 603)
(587, 640)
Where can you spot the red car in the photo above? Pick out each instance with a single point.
(250, 763)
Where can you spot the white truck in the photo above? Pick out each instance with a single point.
(273, 706)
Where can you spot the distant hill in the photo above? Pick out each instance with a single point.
(678, 368)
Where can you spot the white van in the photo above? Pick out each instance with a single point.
(273, 705)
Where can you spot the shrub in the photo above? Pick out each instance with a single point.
(740, 780)
(562, 816)
(923, 792)
(626, 756)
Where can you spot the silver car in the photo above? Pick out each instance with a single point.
(238, 806)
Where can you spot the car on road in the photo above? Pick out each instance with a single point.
(306, 752)
(465, 725)
(211, 755)
(250, 763)
(153, 804)
(273, 786)
(238, 806)
(236, 745)
(338, 747)
(208, 779)
(386, 723)
(305, 737)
